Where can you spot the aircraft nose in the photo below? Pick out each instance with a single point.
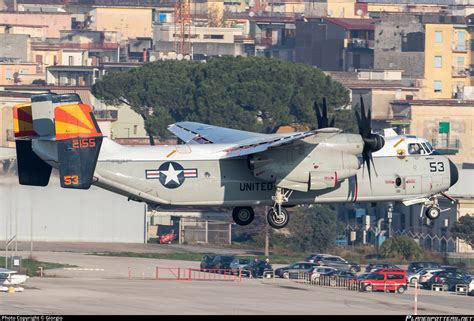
(453, 170)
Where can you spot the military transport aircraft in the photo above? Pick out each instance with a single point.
(227, 167)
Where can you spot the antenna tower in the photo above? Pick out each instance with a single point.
(182, 27)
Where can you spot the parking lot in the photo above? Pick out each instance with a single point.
(103, 285)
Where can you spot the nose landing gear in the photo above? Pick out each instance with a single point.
(277, 216)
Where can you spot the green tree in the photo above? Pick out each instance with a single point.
(464, 229)
(256, 94)
(313, 229)
(400, 246)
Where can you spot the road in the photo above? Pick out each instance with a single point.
(103, 285)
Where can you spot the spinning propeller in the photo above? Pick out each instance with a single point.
(372, 142)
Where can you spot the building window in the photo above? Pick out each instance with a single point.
(438, 86)
(461, 45)
(443, 135)
(438, 61)
(213, 36)
(8, 74)
(135, 129)
(71, 60)
(438, 36)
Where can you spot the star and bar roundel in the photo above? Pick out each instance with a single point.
(171, 174)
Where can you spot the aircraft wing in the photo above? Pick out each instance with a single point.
(244, 143)
(197, 133)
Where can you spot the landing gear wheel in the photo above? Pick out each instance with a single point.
(278, 217)
(243, 215)
(432, 212)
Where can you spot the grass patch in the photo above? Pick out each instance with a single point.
(183, 256)
(31, 266)
(192, 256)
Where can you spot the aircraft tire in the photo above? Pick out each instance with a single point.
(243, 215)
(432, 213)
(275, 221)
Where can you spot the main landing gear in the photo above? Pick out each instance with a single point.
(243, 215)
(277, 216)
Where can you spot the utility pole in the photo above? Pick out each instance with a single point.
(267, 237)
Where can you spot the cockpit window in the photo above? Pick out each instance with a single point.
(428, 150)
(414, 149)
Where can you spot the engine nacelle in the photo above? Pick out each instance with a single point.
(327, 179)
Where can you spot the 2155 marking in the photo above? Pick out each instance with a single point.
(84, 143)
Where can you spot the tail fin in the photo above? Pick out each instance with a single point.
(32, 170)
(65, 133)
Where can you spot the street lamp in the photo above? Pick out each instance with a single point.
(389, 216)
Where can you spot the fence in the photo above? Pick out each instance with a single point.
(195, 274)
(427, 241)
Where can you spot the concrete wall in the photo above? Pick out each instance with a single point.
(15, 46)
(129, 22)
(93, 215)
(425, 121)
(450, 73)
(388, 51)
(54, 22)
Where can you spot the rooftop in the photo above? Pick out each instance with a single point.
(435, 102)
(354, 24)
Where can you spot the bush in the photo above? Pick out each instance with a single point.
(402, 247)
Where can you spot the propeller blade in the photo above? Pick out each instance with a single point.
(318, 114)
(325, 111)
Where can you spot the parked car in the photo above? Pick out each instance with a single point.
(470, 286)
(416, 275)
(221, 263)
(315, 257)
(413, 266)
(342, 275)
(294, 269)
(318, 271)
(256, 269)
(387, 279)
(239, 264)
(338, 262)
(372, 267)
(427, 274)
(447, 280)
(206, 262)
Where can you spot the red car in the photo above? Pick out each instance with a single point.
(385, 280)
(167, 238)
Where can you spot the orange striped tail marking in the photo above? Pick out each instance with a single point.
(23, 121)
(76, 120)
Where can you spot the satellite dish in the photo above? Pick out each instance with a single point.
(359, 12)
(252, 3)
(152, 58)
(187, 57)
(180, 57)
(251, 14)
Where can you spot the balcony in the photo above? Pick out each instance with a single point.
(104, 114)
(459, 71)
(358, 43)
(446, 147)
(90, 46)
(460, 46)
